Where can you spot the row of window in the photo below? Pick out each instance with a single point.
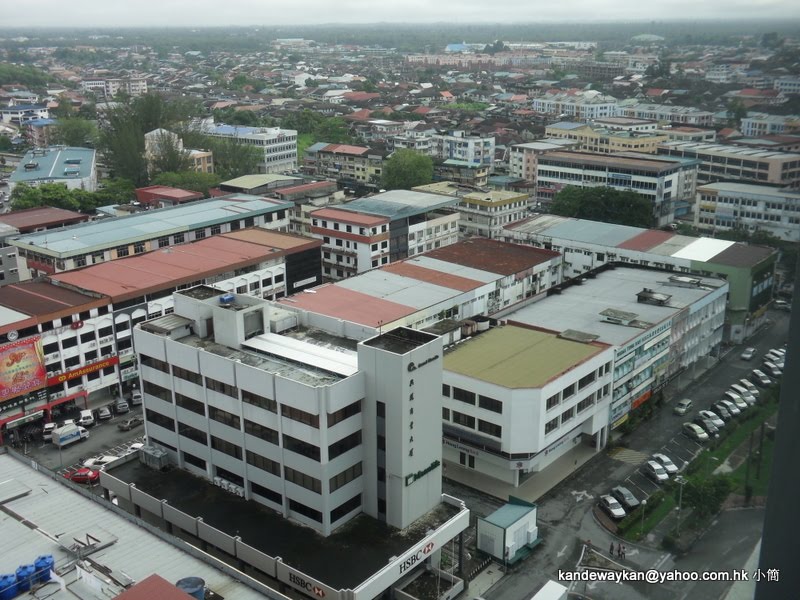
(468, 397)
(469, 421)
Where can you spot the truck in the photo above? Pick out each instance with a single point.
(68, 434)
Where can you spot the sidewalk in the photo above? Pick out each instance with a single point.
(484, 581)
(536, 486)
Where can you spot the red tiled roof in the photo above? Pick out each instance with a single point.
(359, 115)
(152, 587)
(349, 305)
(43, 216)
(406, 269)
(345, 149)
(45, 300)
(646, 240)
(306, 187)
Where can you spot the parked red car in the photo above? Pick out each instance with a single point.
(84, 475)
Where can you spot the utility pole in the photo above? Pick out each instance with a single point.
(760, 451)
(680, 480)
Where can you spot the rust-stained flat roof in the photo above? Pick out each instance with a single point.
(650, 238)
(341, 303)
(743, 255)
(274, 239)
(347, 216)
(493, 256)
(455, 282)
(46, 301)
(170, 267)
(44, 216)
(654, 164)
(152, 587)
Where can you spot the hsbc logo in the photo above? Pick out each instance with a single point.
(306, 585)
(416, 558)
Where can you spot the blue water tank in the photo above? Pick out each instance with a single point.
(44, 564)
(194, 586)
(8, 586)
(25, 577)
(227, 298)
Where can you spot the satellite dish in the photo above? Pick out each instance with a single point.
(13, 335)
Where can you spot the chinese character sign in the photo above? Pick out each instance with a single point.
(21, 367)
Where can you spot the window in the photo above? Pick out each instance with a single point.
(261, 432)
(163, 241)
(343, 445)
(224, 417)
(345, 508)
(192, 433)
(69, 342)
(463, 420)
(193, 460)
(463, 396)
(301, 447)
(226, 447)
(380, 409)
(567, 414)
(585, 403)
(216, 229)
(550, 425)
(187, 375)
(490, 428)
(263, 463)
(154, 363)
(152, 389)
(445, 390)
(568, 391)
(553, 401)
(445, 414)
(122, 251)
(222, 388)
(179, 238)
(490, 404)
(345, 477)
(300, 415)
(138, 247)
(260, 401)
(344, 413)
(190, 404)
(304, 510)
(586, 380)
(260, 490)
(303, 480)
(158, 419)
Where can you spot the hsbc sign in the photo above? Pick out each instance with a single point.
(307, 586)
(417, 557)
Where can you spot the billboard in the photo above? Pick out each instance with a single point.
(21, 367)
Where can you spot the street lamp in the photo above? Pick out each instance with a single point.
(644, 507)
(680, 480)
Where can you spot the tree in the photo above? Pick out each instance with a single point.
(233, 159)
(736, 112)
(706, 496)
(168, 155)
(115, 191)
(603, 204)
(74, 131)
(5, 143)
(46, 194)
(122, 143)
(189, 180)
(406, 169)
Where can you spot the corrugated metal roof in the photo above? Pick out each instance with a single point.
(649, 238)
(703, 249)
(43, 216)
(385, 285)
(59, 511)
(445, 267)
(507, 515)
(408, 269)
(492, 255)
(45, 300)
(348, 305)
(743, 255)
(399, 204)
(55, 163)
(84, 238)
(348, 217)
(517, 357)
(594, 232)
(248, 182)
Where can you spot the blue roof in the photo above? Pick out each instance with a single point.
(55, 164)
(567, 125)
(149, 225)
(41, 122)
(316, 147)
(456, 48)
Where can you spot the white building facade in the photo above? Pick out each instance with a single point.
(279, 146)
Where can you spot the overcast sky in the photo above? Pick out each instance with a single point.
(176, 13)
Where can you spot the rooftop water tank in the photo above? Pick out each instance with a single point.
(8, 586)
(25, 577)
(43, 564)
(194, 586)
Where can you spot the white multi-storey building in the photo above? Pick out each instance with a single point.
(517, 398)
(582, 106)
(764, 124)
(724, 206)
(132, 86)
(317, 434)
(279, 146)
(458, 145)
(681, 115)
(788, 85)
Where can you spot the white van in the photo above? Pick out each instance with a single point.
(744, 393)
(86, 419)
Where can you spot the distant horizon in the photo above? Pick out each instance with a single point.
(182, 14)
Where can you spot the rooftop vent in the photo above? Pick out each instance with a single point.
(30, 166)
(650, 296)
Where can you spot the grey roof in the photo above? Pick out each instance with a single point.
(726, 150)
(399, 204)
(579, 307)
(606, 234)
(396, 288)
(55, 164)
(148, 225)
(750, 190)
(57, 510)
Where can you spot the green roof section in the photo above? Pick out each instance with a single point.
(517, 357)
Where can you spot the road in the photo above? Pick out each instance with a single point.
(566, 517)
